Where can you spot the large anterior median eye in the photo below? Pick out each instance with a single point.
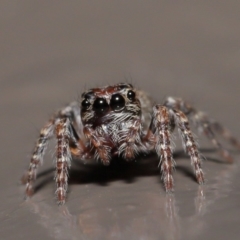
(100, 105)
(117, 102)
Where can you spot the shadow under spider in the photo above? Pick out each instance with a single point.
(120, 169)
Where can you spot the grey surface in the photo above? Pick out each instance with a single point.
(53, 50)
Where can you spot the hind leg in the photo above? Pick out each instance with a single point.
(205, 125)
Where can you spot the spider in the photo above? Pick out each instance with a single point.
(121, 121)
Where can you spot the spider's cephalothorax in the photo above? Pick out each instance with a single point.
(120, 120)
(111, 117)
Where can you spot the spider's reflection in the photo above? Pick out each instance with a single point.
(134, 210)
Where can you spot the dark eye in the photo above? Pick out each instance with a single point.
(100, 105)
(117, 102)
(131, 95)
(85, 104)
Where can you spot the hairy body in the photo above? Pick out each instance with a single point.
(120, 120)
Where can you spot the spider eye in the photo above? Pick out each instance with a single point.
(131, 95)
(100, 105)
(117, 102)
(85, 104)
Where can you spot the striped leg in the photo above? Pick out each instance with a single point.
(70, 112)
(225, 133)
(161, 122)
(189, 143)
(37, 156)
(204, 125)
(63, 157)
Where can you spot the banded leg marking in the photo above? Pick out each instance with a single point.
(37, 156)
(189, 143)
(161, 121)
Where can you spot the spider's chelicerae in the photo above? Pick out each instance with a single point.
(120, 120)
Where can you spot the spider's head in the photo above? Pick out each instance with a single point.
(111, 103)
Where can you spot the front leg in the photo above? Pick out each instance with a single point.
(163, 119)
(189, 143)
(63, 157)
(161, 123)
(63, 130)
(37, 157)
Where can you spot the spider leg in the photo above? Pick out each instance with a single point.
(189, 143)
(37, 157)
(64, 135)
(72, 113)
(225, 133)
(161, 123)
(77, 147)
(204, 124)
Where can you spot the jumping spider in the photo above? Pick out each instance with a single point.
(115, 120)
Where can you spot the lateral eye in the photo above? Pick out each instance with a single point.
(100, 105)
(131, 95)
(117, 102)
(85, 104)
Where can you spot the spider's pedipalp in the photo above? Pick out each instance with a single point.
(102, 151)
(189, 143)
(128, 148)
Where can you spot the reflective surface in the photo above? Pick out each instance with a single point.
(141, 210)
(51, 53)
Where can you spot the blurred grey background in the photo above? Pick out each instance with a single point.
(51, 51)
